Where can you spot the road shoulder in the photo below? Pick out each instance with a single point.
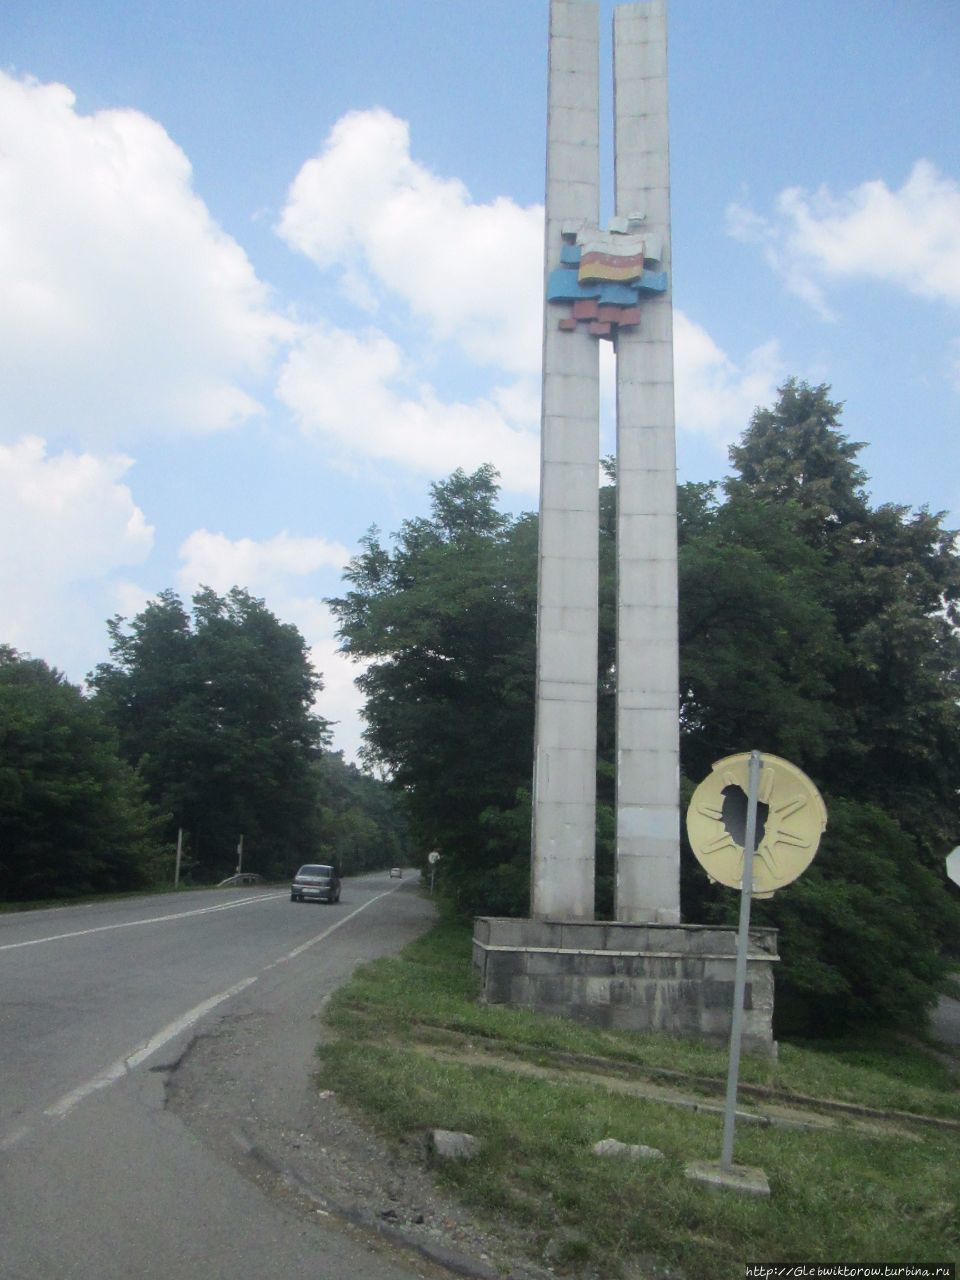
(248, 1089)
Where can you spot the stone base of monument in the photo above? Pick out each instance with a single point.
(673, 978)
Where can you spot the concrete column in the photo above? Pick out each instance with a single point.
(564, 788)
(648, 756)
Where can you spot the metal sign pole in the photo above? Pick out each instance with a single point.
(740, 980)
(176, 873)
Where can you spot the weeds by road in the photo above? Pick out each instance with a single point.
(851, 1182)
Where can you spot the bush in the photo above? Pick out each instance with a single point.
(858, 929)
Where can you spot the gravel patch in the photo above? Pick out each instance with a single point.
(248, 1090)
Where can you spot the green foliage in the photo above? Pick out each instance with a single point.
(795, 453)
(824, 630)
(73, 818)
(363, 827)
(748, 591)
(216, 714)
(812, 625)
(890, 579)
(448, 618)
(858, 930)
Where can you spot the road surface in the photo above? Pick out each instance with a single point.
(99, 1178)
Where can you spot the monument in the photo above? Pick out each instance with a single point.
(613, 284)
(616, 286)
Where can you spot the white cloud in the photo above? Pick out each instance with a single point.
(67, 524)
(908, 238)
(473, 272)
(714, 397)
(341, 701)
(274, 569)
(221, 562)
(351, 388)
(365, 207)
(123, 305)
(128, 598)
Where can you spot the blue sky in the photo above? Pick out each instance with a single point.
(266, 271)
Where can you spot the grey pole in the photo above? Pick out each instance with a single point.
(648, 714)
(176, 874)
(565, 732)
(240, 856)
(740, 981)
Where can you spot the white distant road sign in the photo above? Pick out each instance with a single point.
(433, 857)
(953, 865)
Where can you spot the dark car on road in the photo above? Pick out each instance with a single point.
(316, 882)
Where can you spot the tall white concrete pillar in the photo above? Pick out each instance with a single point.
(648, 817)
(564, 789)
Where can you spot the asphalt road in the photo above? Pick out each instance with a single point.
(98, 1177)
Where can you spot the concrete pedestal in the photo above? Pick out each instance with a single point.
(631, 977)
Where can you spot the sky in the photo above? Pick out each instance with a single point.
(269, 271)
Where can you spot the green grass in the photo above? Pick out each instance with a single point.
(838, 1195)
(432, 988)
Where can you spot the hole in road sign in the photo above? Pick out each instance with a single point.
(735, 816)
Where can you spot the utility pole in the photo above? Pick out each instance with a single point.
(176, 873)
(240, 856)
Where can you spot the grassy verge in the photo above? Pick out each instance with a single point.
(843, 1194)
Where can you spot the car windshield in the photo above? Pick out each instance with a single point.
(315, 871)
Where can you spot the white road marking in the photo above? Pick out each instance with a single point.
(117, 1070)
(305, 946)
(132, 924)
(137, 1056)
(11, 1140)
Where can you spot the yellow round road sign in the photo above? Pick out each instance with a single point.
(791, 818)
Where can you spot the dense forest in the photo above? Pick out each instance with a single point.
(813, 624)
(202, 722)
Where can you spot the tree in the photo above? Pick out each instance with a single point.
(795, 452)
(813, 625)
(845, 659)
(890, 578)
(363, 827)
(757, 644)
(217, 713)
(73, 818)
(447, 621)
(855, 929)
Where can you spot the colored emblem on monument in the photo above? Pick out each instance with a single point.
(604, 275)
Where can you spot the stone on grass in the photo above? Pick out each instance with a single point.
(612, 1147)
(743, 1180)
(449, 1145)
